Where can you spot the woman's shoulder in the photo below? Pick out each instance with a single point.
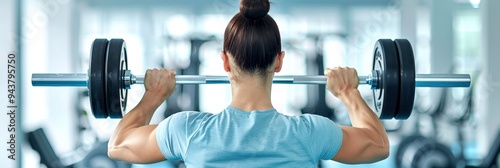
(190, 116)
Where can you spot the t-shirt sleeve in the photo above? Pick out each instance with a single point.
(326, 137)
(172, 134)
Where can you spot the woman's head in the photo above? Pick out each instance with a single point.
(252, 38)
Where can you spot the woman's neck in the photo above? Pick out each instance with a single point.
(251, 93)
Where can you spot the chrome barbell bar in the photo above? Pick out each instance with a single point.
(81, 79)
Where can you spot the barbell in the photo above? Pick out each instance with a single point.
(393, 79)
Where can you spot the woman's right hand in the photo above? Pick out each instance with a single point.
(160, 82)
(341, 80)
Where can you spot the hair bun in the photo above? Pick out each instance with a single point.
(254, 9)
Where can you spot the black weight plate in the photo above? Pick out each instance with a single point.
(116, 64)
(96, 83)
(385, 61)
(433, 154)
(407, 79)
(403, 147)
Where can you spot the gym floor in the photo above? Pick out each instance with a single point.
(447, 126)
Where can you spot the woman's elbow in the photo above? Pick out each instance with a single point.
(383, 152)
(115, 147)
(378, 152)
(115, 152)
(112, 153)
(383, 146)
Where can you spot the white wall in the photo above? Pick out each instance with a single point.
(488, 91)
(46, 40)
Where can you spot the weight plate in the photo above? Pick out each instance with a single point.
(433, 154)
(116, 64)
(96, 83)
(386, 63)
(406, 78)
(403, 147)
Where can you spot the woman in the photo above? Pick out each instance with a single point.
(250, 132)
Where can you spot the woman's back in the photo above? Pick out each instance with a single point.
(236, 138)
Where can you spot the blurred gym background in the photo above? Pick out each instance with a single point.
(448, 36)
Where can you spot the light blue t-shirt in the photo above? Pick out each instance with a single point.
(235, 138)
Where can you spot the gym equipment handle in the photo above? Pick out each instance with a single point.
(80, 80)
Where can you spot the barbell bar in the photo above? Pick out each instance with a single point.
(392, 80)
(81, 80)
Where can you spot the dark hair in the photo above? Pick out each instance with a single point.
(252, 37)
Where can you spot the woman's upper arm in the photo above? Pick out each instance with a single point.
(139, 146)
(358, 147)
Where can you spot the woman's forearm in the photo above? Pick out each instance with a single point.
(134, 139)
(362, 116)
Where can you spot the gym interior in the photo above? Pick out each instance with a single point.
(448, 126)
